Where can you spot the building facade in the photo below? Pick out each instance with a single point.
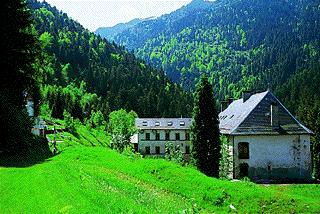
(266, 140)
(153, 134)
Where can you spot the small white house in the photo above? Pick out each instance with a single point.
(266, 140)
(153, 133)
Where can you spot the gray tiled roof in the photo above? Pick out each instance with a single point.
(251, 117)
(254, 117)
(163, 123)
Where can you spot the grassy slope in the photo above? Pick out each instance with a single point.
(84, 179)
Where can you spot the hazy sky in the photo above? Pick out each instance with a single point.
(104, 13)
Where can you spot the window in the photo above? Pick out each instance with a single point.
(170, 123)
(182, 123)
(157, 150)
(243, 150)
(187, 136)
(157, 123)
(157, 136)
(147, 148)
(144, 123)
(167, 136)
(187, 149)
(177, 136)
(147, 136)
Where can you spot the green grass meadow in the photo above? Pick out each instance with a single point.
(90, 178)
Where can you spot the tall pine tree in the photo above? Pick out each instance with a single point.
(205, 130)
(18, 52)
(19, 48)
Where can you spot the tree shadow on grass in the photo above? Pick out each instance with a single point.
(37, 153)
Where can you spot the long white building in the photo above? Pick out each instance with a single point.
(153, 133)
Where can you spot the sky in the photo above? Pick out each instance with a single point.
(93, 14)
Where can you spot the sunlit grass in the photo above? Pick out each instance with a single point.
(95, 179)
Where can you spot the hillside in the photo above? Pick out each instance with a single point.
(93, 179)
(110, 32)
(74, 57)
(242, 45)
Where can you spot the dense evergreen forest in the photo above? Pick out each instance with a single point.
(240, 44)
(82, 72)
(110, 32)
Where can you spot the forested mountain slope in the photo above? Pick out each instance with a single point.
(241, 44)
(109, 75)
(110, 32)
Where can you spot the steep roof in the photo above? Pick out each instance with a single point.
(163, 123)
(254, 117)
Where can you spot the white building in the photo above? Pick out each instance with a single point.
(153, 133)
(266, 140)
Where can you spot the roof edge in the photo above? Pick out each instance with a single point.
(293, 117)
(266, 92)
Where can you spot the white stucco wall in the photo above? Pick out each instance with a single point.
(287, 156)
(153, 143)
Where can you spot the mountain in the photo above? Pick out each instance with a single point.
(74, 57)
(110, 32)
(240, 44)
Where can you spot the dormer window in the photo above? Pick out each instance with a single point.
(157, 123)
(144, 123)
(182, 123)
(170, 123)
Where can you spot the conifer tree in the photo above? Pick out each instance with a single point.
(205, 130)
(18, 52)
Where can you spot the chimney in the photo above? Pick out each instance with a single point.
(274, 116)
(224, 105)
(246, 95)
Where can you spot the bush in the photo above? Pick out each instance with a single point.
(121, 128)
(225, 161)
(173, 153)
(96, 120)
(45, 110)
(69, 122)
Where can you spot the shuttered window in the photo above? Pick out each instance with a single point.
(243, 148)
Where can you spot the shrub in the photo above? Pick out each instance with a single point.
(173, 153)
(121, 128)
(69, 122)
(225, 161)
